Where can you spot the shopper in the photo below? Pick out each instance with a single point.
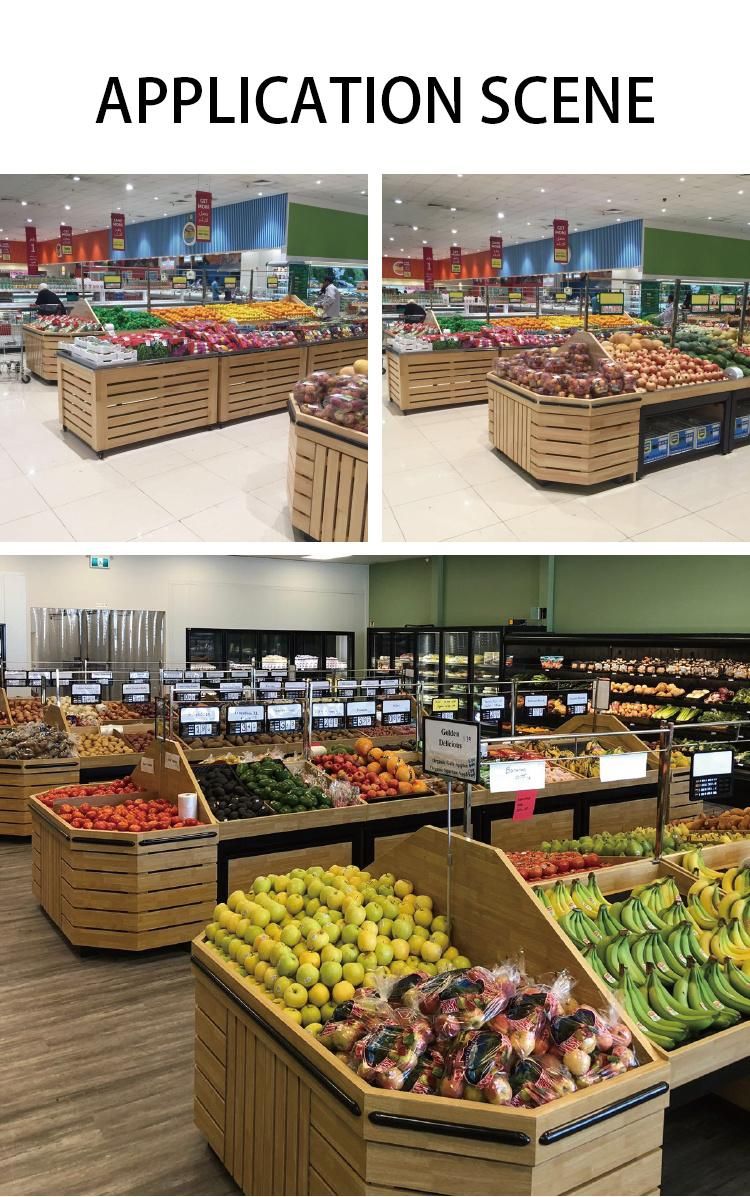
(413, 313)
(329, 298)
(666, 316)
(215, 290)
(48, 303)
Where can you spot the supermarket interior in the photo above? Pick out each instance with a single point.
(156, 338)
(303, 862)
(592, 382)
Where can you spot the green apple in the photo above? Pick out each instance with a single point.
(308, 926)
(383, 953)
(291, 934)
(296, 885)
(277, 912)
(390, 908)
(315, 888)
(403, 927)
(461, 962)
(311, 905)
(252, 932)
(349, 953)
(280, 882)
(261, 885)
(287, 964)
(307, 975)
(270, 977)
(385, 927)
(280, 986)
(350, 932)
(374, 912)
(322, 916)
(219, 910)
(329, 952)
(316, 941)
(237, 896)
(278, 950)
(333, 931)
(295, 995)
(327, 1010)
(331, 972)
(387, 879)
(211, 930)
(354, 973)
(368, 960)
(310, 1015)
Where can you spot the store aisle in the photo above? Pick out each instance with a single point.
(97, 1062)
(227, 484)
(443, 482)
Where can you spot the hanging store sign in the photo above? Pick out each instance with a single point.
(66, 240)
(117, 230)
(455, 259)
(203, 214)
(496, 253)
(428, 264)
(4, 251)
(560, 246)
(189, 232)
(32, 250)
(134, 693)
(577, 704)
(85, 693)
(535, 706)
(451, 749)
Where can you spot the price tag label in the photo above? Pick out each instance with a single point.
(199, 721)
(147, 764)
(508, 777)
(194, 675)
(285, 717)
(294, 687)
(240, 675)
(16, 678)
(102, 675)
(389, 685)
(172, 675)
(36, 676)
(347, 686)
(135, 692)
(577, 704)
(63, 677)
(327, 716)
(270, 690)
(85, 693)
(172, 761)
(622, 766)
(361, 712)
(246, 720)
(139, 675)
(523, 807)
(396, 711)
(185, 691)
(443, 705)
(233, 687)
(535, 705)
(320, 687)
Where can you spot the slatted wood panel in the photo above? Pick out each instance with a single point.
(419, 381)
(334, 355)
(20, 780)
(251, 384)
(243, 870)
(41, 350)
(129, 405)
(517, 835)
(579, 442)
(327, 485)
(622, 816)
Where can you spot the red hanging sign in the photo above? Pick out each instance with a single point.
(560, 241)
(66, 240)
(203, 212)
(4, 251)
(523, 807)
(32, 250)
(117, 227)
(429, 268)
(496, 253)
(455, 259)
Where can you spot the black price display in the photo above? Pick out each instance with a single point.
(389, 685)
(535, 705)
(185, 693)
(577, 704)
(171, 675)
(64, 678)
(396, 710)
(347, 686)
(270, 689)
(194, 675)
(327, 716)
(320, 687)
(199, 721)
(492, 708)
(294, 687)
(285, 717)
(135, 692)
(245, 720)
(85, 693)
(711, 776)
(230, 691)
(35, 676)
(361, 712)
(16, 678)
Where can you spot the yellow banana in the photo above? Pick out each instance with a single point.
(727, 881)
(704, 939)
(726, 903)
(699, 884)
(707, 897)
(705, 921)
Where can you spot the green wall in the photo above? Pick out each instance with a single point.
(325, 233)
(591, 593)
(681, 255)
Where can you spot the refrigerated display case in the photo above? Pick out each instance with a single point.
(455, 660)
(224, 647)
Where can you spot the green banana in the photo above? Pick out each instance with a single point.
(598, 896)
(692, 945)
(630, 918)
(625, 957)
(726, 1016)
(666, 1006)
(737, 979)
(656, 954)
(673, 962)
(650, 918)
(724, 991)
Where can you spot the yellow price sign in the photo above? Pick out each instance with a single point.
(445, 704)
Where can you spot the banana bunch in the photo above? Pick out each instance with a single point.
(719, 905)
(564, 897)
(703, 1000)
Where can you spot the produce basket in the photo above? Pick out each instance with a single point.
(20, 780)
(421, 381)
(327, 478)
(124, 889)
(41, 348)
(332, 355)
(253, 384)
(260, 1078)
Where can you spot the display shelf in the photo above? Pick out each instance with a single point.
(326, 478)
(41, 349)
(130, 891)
(258, 383)
(259, 1078)
(420, 381)
(332, 355)
(20, 780)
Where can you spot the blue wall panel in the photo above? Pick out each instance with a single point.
(614, 247)
(252, 224)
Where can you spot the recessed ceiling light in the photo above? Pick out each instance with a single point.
(682, 178)
(528, 224)
(455, 243)
(67, 207)
(424, 242)
(740, 192)
(363, 193)
(575, 230)
(24, 204)
(459, 176)
(415, 228)
(318, 182)
(664, 209)
(28, 220)
(542, 190)
(501, 216)
(260, 193)
(618, 219)
(391, 238)
(454, 230)
(128, 186)
(401, 250)
(76, 178)
(164, 214)
(609, 201)
(156, 197)
(398, 201)
(710, 218)
(454, 209)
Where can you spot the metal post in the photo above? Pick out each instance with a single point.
(467, 811)
(449, 881)
(538, 301)
(205, 284)
(148, 289)
(675, 312)
(666, 736)
(743, 314)
(513, 696)
(487, 301)
(250, 295)
(585, 303)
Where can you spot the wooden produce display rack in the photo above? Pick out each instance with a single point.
(20, 780)
(253, 384)
(260, 1079)
(110, 407)
(41, 349)
(332, 355)
(128, 890)
(420, 381)
(326, 478)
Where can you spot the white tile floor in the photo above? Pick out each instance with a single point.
(442, 481)
(226, 484)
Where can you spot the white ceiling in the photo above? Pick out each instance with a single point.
(95, 196)
(529, 203)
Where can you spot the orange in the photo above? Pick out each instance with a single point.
(405, 787)
(375, 754)
(363, 745)
(405, 773)
(374, 767)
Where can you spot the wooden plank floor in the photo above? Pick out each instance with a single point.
(96, 1073)
(96, 1062)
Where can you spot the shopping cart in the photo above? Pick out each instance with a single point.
(12, 363)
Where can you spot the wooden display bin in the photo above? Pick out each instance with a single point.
(128, 890)
(110, 407)
(41, 349)
(712, 1052)
(20, 780)
(326, 478)
(260, 1079)
(6, 718)
(253, 384)
(332, 355)
(420, 381)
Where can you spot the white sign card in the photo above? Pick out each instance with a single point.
(509, 776)
(451, 749)
(623, 766)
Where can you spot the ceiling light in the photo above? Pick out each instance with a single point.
(363, 193)
(415, 228)
(542, 190)
(454, 209)
(24, 204)
(391, 238)
(528, 224)
(664, 209)
(424, 242)
(156, 197)
(398, 201)
(710, 218)
(76, 178)
(459, 176)
(28, 219)
(575, 230)
(128, 186)
(401, 250)
(618, 219)
(455, 243)
(740, 192)
(67, 207)
(609, 201)
(318, 182)
(501, 216)
(260, 193)
(454, 230)
(164, 214)
(682, 178)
